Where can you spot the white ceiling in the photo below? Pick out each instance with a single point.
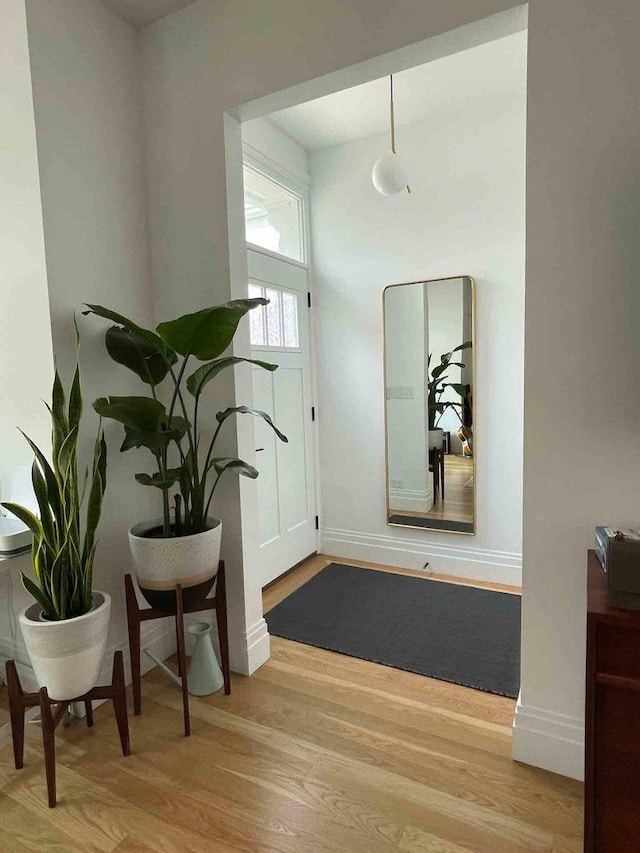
(488, 71)
(143, 12)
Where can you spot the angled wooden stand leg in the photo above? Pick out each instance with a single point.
(180, 672)
(133, 627)
(49, 744)
(221, 618)
(182, 660)
(88, 707)
(17, 708)
(119, 697)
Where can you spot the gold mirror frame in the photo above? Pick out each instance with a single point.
(472, 282)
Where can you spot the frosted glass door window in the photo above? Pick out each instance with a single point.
(274, 325)
(290, 318)
(273, 215)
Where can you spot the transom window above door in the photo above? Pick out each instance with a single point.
(273, 215)
(274, 325)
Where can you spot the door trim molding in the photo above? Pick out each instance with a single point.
(260, 250)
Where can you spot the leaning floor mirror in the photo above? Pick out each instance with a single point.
(429, 394)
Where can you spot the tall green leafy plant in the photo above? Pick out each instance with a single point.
(437, 386)
(172, 430)
(64, 544)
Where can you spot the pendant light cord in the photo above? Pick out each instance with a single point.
(393, 123)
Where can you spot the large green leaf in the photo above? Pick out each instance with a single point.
(58, 404)
(457, 387)
(67, 453)
(88, 576)
(206, 334)
(58, 582)
(128, 348)
(25, 516)
(236, 466)
(142, 414)
(100, 457)
(173, 430)
(53, 492)
(96, 494)
(153, 441)
(245, 410)
(203, 375)
(34, 590)
(439, 370)
(147, 335)
(40, 491)
(59, 422)
(75, 400)
(160, 480)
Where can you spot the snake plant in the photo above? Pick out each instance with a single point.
(172, 431)
(64, 545)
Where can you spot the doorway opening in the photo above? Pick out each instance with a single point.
(309, 231)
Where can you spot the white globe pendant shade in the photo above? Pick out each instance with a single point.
(389, 174)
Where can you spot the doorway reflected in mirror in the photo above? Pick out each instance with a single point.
(429, 399)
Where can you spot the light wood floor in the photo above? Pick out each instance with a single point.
(314, 752)
(4, 705)
(458, 498)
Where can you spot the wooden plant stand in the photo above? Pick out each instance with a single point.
(136, 615)
(50, 716)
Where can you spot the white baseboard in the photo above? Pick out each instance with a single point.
(456, 560)
(552, 741)
(410, 500)
(248, 656)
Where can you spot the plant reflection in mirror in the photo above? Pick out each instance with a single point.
(437, 387)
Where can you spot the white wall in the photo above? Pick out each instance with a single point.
(465, 216)
(582, 347)
(26, 358)
(26, 354)
(582, 257)
(84, 64)
(276, 152)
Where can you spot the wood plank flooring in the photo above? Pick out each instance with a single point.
(315, 752)
(458, 503)
(4, 705)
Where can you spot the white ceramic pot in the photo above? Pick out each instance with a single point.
(66, 655)
(436, 439)
(162, 563)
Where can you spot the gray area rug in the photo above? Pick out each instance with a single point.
(456, 633)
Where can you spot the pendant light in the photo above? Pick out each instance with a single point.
(389, 173)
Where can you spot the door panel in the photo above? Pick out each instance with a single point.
(292, 481)
(286, 486)
(267, 482)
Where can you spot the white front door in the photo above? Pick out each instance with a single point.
(286, 487)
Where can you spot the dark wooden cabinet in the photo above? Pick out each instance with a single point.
(612, 722)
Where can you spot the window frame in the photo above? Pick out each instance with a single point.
(291, 182)
(301, 199)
